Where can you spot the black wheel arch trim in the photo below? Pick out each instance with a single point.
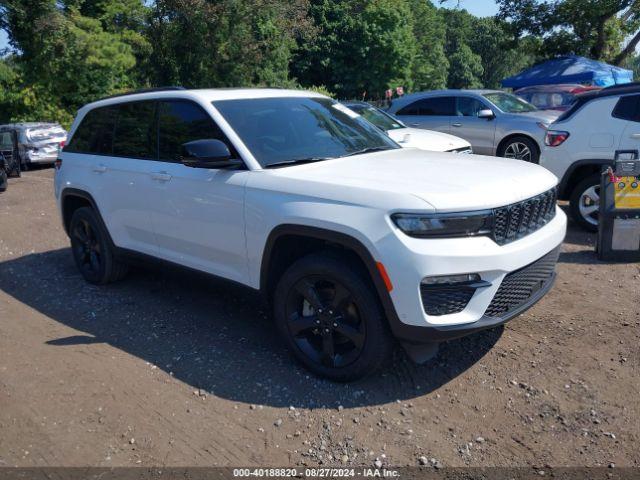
(564, 190)
(343, 240)
(76, 192)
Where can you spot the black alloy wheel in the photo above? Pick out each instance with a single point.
(324, 322)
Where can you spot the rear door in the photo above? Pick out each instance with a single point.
(479, 132)
(113, 151)
(198, 214)
(433, 113)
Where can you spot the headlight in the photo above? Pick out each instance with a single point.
(444, 225)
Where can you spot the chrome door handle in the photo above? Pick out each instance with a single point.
(161, 176)
(456, 124)
(100, 168)
(635, 136)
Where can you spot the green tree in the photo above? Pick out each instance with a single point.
(595, 28)
(362, 46)
(430, 65)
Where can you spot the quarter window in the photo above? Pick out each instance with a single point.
(628, 108)
(182, 121)
(435, 106)
(136, 133)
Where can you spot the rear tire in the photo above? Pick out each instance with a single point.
(331, 319)
(520, 148)
(584, 198)
(92, 249)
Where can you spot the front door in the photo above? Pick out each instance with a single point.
(198, 214)
(479, 132)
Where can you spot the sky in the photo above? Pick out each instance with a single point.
(480, 8)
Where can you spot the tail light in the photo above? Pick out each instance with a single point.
(555, 138)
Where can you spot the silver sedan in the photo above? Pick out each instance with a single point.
(494, 122)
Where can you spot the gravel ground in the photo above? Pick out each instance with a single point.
(174, 369)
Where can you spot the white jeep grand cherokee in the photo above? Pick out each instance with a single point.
(352, 239)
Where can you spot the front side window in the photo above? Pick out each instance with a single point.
(6, 141)
(435, 106)
(628, 108)
(508, 103)
(294, 129)
(380, 119)
(135, 132)
(94, 135)
(469, 107)
(182, 121)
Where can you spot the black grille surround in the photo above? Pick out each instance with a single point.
(519, 286)
(518, 220)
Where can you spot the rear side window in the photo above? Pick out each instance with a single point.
(135, 133)
(182, 121)
(94, 135)
(436, 106)
(628, 108)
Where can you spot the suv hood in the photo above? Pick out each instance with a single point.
(446, 181)
(546, 116)
(427, 139)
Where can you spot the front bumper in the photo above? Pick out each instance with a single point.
(414, 259)
(429, 334)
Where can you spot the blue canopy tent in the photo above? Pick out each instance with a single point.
(570, 69)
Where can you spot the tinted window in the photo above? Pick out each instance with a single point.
(6, 141)
(95, 132)
(469, 107)
(436, 106)
(628, 108)
(135, 133)
(182, 121)
(289, 129)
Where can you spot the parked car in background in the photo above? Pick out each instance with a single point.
(352, 239)
(494, 122)
(410, 137)
(3, 173)
(32, 143)
(584, 140)
(553, 97)
(8, 151)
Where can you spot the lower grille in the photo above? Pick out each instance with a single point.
(445, 299)
(519, 286)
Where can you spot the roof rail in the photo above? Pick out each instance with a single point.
(143, 90)
(622, 87)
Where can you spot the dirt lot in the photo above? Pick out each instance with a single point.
(174, 369)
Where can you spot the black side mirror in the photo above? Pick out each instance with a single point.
(211, 153)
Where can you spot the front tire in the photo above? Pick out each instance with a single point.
(92, 249)
(331, 319)
(584, 203)
(520, 148)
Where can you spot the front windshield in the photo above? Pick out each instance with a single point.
(509, 103)
(289, 129)
(378, 118)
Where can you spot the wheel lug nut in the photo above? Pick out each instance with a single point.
(317, 322)
(326, 330)
(335, 325)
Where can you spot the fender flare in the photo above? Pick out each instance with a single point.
(341, 239)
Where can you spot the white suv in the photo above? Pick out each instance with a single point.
(585, 139)
(352, 239)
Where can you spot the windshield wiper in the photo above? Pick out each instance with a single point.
(368, 150)
(297, 161)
